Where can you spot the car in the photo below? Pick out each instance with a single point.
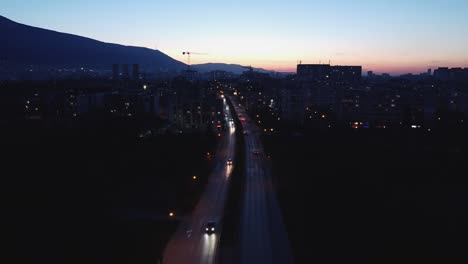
(229, 162)
(246, 132)
(256, 151)
(210, 227)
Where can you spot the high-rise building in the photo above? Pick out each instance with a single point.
(456, 74)
(450, 74)
(346, 73)
(323, 85)
(136, 71)
(429, 72)
(325, 72)
(293, 102)
(115, 71)
(314, 72)
(442, 73)
(370, 74)
(125, 71)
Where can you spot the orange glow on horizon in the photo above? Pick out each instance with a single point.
(394, 65)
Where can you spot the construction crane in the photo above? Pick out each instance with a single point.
(188, 53)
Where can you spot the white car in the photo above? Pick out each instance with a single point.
(229, 162)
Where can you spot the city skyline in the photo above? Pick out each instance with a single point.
(397, 38)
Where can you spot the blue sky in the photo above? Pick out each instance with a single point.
(385, 36)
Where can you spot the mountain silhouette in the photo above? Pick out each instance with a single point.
(27, 45)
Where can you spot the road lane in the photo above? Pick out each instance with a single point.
(196, 246)
(264, 239)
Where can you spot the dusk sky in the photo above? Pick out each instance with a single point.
(385, 36)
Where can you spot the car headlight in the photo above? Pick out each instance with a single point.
(212, 229)
(206, 229)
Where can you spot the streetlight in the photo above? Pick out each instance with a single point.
(171, 214)
(194, 178)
